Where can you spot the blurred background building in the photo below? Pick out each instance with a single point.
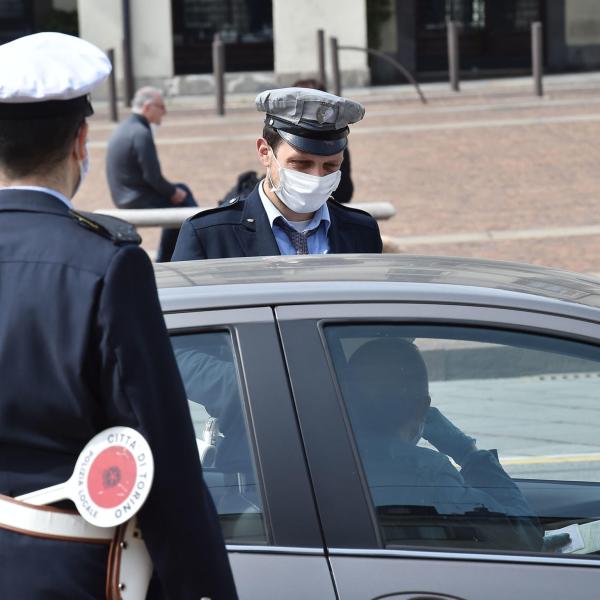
(274, 41)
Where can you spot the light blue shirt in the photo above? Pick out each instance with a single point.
(317, 242)
(35, 188)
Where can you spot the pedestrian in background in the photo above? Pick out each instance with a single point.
(133, 169)
(84, 348)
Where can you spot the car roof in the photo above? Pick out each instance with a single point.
(275, 280)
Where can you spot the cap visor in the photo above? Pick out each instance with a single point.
(312, 146)
(47, 109)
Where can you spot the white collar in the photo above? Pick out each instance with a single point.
(35, 188)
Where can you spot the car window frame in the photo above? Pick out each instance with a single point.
(255, 344)
(307, 322)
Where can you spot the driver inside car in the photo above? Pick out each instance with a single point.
(389, 408)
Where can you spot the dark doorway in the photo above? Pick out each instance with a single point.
(495, 34)
(246, 27)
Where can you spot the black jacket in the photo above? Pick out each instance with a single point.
(133, 169)
(242, 229)
(84, 347)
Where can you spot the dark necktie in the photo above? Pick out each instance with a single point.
(299, 239)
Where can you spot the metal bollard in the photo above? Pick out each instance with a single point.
(218, 53)
(335, 67)
(537, 58)
(321, 57)
(127, 52)
(453, 56)
(112, 87)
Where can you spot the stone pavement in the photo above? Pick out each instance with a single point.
(491, 172)
(544, 427)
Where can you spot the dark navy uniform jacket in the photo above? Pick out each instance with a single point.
(83, 347)
(243, 229)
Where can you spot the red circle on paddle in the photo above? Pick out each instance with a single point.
(112, 477)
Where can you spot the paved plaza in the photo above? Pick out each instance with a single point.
(490, 172)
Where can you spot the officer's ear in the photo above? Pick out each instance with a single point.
(264, 156)
(80, 149)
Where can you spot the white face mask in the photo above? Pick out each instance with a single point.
(154, 128)
(301, 192)
(84, 169)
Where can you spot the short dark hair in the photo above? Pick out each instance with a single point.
(36, 146)
(310, 83)
(389, 385)
(272, 137)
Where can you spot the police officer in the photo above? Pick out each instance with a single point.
(290, 211)
(84, 346)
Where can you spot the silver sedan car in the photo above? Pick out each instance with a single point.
(395, 427)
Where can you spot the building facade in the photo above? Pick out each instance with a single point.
(495, 35)
(273, 42)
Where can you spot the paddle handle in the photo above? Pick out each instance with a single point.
(48, 495)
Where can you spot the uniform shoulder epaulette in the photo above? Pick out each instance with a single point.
(116, 230)
(232, 203)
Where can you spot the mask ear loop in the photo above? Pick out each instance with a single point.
(272, 185)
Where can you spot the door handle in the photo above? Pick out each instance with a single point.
(417, 596)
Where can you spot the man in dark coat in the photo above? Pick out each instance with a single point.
(290, 211)
(84, 347)
(388, 401)
(133, 169)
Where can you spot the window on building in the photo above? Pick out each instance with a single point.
(246, 27)
(435, 13)
(24, 17)
(493, 34)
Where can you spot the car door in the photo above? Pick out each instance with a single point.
(253, 461)
(516, 513)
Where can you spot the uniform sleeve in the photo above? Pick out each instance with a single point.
(485, 474)
(141, 388)
(483, 470)
(377, 241)
(149, 164)
(189, 246)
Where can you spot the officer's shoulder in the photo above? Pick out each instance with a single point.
(116, 230)
(351, 213)
(226, 214)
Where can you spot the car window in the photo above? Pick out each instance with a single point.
(474, 438)
(208, 368)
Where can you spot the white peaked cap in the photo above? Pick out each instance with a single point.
(48, 68)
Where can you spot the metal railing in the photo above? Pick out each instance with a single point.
(335, 66)
(172, 218)
(112, 88)
(218, 56)
(537, 56)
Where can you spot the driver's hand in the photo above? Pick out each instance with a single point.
(446, 437)
(554, 542)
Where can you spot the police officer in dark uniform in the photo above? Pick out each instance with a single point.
(290, 211)
(84, 346)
